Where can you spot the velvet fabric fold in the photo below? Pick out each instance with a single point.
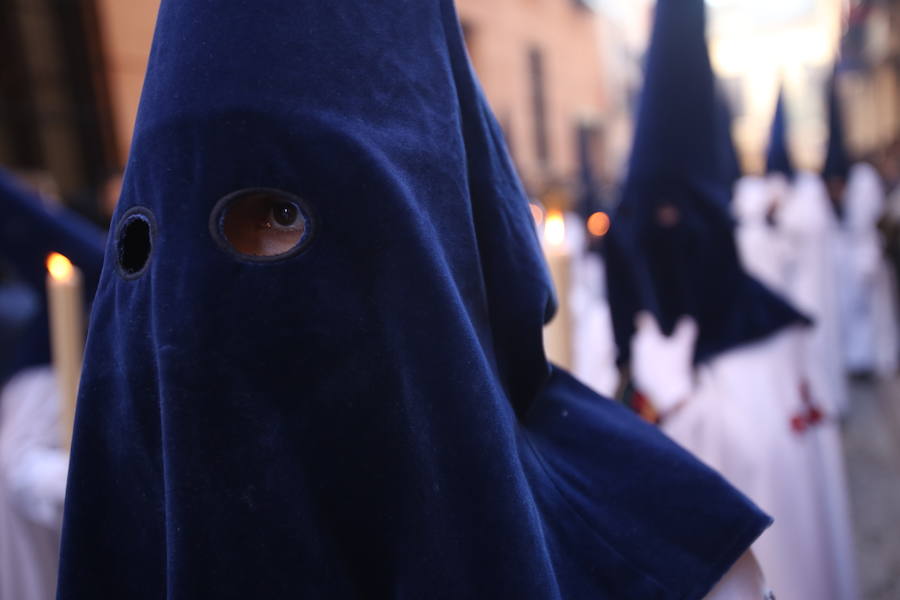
(372, 416)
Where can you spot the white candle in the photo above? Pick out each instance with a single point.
(558, 332)
(64, 302)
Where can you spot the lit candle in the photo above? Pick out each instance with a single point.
(558, 333)
(64, 301)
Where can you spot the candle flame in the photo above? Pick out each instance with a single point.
(598, 224)
(59, 266)
(555, 228)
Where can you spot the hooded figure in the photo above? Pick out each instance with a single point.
(672, 250)
(673, 261)
(836, 167)
(760, 245)
(811, 234)
(315, 366)
(869, 289)
(594, 351)
(778, 154)
(29, 231)
(32, 464)
(779, 164)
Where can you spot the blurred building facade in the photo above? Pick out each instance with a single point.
(70, 79)
(761, 46)
(563, 77)
(540, 64)
(72, 74)
(870, 73)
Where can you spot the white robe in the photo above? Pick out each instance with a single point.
(594, 344)
(811, 231)
(738, 420)
(32, 486)
(762, 251)
(869, 290)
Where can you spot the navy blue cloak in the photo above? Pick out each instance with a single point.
(371, 414)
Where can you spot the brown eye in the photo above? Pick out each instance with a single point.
(285, 214)
(261, 224)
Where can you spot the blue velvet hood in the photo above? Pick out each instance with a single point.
(837, 160)
(778, 154)
(672, 249)
(29, 231)
(370, 414)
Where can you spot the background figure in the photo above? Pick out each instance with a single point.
(33, 464)
(761, 248)
(811, 232)
(869, 298)
(673, 255)
(32, 485)
(594, 352)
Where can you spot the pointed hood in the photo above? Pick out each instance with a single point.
(778, 153)
(672, 250)
(837, 160)
(730, 163)
(315, 364)
(29, 231)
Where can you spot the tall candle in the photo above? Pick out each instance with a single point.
(558, 332)
(66, 308)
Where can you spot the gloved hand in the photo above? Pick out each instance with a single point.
(662, 367)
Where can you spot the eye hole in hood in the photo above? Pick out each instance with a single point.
(261, 224)
(134, 242)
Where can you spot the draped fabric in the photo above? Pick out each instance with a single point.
(369, 415)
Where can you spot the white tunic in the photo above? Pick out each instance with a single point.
(739, 421)
(32, 486)
(761, 249)
(595, 347)
(593, 344)
(811, 231)
(869, 298)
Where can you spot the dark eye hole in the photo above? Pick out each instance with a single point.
(668, 215)
(261, 224)
(134, 242)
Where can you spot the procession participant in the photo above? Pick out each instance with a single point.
(315, 366)
(674, 270)
(32, 462)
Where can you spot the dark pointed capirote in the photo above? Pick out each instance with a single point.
(672, 250)
(366, 413)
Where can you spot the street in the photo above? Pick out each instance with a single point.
(872, 450)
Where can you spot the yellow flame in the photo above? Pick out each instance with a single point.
(59, 266)
(555, 229)
(598, 224)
